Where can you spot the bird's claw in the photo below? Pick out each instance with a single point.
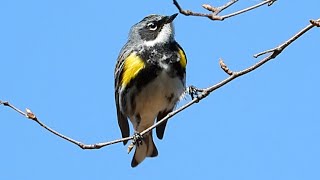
(137, 139)
(194, 91)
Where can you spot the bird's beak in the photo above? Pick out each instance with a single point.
(169, 19)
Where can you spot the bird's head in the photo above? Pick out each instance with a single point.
(153, 30)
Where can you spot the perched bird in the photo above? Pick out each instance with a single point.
(149, 80)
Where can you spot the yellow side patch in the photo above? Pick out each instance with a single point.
(132, 66)
(183, 60)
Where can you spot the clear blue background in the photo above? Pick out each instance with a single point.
(57, 58)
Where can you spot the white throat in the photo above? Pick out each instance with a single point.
(164, 36)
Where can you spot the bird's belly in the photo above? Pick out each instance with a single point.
(160, 94)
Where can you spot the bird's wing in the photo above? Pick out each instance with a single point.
(160, 129)
(122, 118)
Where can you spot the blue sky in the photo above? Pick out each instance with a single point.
(57, 58)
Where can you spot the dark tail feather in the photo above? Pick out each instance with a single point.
(160, 129)
(146, 149)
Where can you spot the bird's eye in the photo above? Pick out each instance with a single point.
(152, 26)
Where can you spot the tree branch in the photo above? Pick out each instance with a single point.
(201, 93)
(216, 10)
(30, 115)
(276, 51)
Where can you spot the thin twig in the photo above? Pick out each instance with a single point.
(187, 12)
(315, 22)
(5, 103)
(247, 9)
(29, 114)
(280, 48)
(216, 10)
(224, 67)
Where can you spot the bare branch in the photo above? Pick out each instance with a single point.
(216, 10)
(201, 95)
(280, 48)
(270, 2)
(224, 67)
(29, 114)
(315, 22)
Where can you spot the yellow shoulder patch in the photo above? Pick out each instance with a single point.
(183, 59)
(132, 66)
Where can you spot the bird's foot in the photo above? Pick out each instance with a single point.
(137, 139)
(193, 91)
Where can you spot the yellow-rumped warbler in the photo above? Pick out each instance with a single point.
(149, 80)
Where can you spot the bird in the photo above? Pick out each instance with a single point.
(150, 78)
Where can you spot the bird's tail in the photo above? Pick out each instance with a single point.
(146, 149)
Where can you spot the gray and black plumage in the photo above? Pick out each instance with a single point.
(149, 80)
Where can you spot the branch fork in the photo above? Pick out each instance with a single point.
(217, 10)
